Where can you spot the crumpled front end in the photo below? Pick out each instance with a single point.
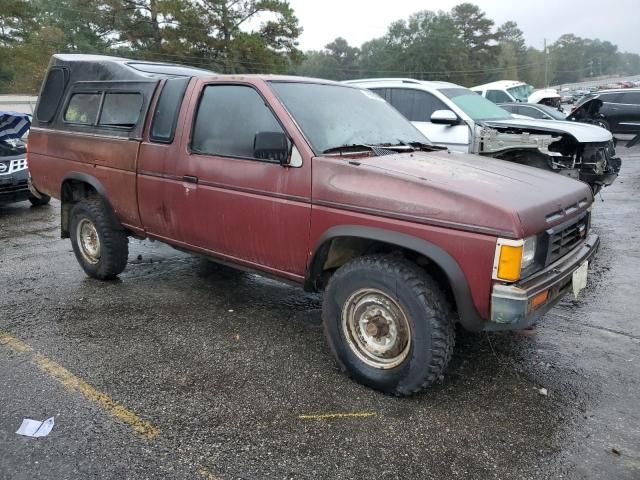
(594, 163)
(599, 165)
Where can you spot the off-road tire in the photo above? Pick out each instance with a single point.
(113, 241)
(427, 310)
(39, 202)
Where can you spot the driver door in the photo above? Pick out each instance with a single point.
(236, 206)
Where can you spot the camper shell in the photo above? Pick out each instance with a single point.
(119, 90)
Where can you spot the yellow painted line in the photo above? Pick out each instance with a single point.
(14, 343)
(337, 415)
(205, 473)
(72, 382)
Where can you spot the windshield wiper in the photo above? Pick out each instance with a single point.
(378, 149)
(417, 145)
(353, 146)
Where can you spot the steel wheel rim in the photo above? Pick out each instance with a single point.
(376, 328)
(88, 240)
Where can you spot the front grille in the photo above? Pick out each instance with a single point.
(564, 238)
(8, 167)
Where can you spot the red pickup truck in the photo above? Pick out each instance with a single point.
(317, 183)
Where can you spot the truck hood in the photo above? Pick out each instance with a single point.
(582, 132)
(461, 191)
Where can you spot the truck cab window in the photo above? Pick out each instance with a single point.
(497, 96)
(228, 118)
(83, 108)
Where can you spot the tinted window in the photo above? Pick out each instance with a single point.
(630, 97)
(416, 105)
(166, 114)
(51, 94)
(510, 108)
(83, 108)
(383, 92)
(532, 112)
(610, 97)
(121, 109)
(497, 96)
(229, 116)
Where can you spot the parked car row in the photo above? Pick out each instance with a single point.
(329, 185)
(506, 91)
(459, 119)
(616, 110)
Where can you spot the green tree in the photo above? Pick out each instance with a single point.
(426, 46)
(511, 45)
(507, 61)
(568, 59)
(476, 32)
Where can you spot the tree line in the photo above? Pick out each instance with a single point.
(261, 36)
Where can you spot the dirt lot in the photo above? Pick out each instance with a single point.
(183, 369)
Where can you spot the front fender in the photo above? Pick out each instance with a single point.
(468, 314)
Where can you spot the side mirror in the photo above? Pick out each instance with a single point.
(444, 117)
(271, 146)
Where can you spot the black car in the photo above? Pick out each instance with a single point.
(14, 175)
(534, 110)
(615, 110)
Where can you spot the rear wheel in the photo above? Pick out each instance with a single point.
(38, 202)
(100, 247)
(388, 324)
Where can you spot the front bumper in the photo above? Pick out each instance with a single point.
(512, 306)
(14, 187)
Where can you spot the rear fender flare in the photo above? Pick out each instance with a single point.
(100, 191)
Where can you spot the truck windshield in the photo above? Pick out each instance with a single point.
(476, 107)
(332, 116)
(521, 92)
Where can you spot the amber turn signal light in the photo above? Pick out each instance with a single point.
(509, 262)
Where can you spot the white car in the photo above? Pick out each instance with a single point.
(461, 120)
(504, 91)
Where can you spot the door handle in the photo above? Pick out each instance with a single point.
(190, 179)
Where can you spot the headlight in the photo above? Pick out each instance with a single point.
(528, 252)
(513, 257)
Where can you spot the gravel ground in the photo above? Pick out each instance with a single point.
(221, 365)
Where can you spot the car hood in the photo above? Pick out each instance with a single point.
(582, 106)
(461, 191)
(582, 132)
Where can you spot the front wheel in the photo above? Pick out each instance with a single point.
(388, 324)
(101, 248)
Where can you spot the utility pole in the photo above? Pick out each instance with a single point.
(546, 65)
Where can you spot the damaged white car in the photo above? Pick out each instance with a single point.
(461, 120)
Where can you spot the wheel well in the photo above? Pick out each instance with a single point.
(339, 250)
(72, 192)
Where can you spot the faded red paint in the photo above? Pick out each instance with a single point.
(270, 217)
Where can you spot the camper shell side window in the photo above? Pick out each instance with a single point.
(107, 108)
